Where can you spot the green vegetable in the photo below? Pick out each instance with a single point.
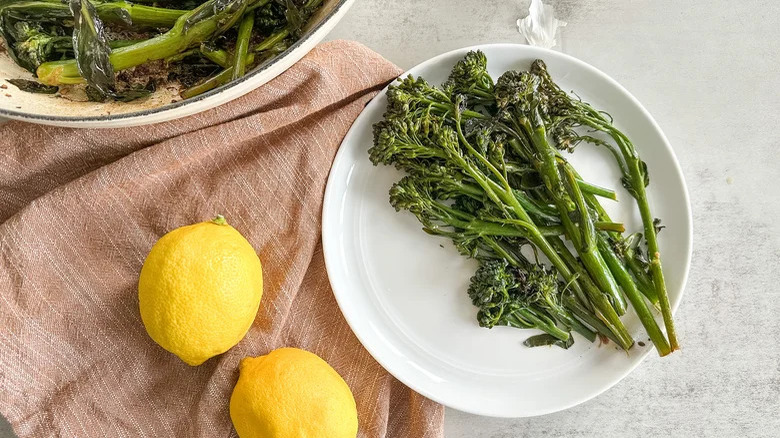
(32, 45)
(66, 43)
(114, 12)
(91, 47)
(423, 128)
(242, 46)
(509, 297)
(565, 114)
(485, 170)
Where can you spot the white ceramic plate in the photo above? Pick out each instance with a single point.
(165, 103)
(404, 292)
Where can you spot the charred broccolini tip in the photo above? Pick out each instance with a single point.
(470, 77)
(503, 299)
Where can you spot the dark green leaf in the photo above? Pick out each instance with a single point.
(33, 86)
(657, 225)
(546, 340)
(92, 49)
(94, 95)
(270, 18)
(294, 16)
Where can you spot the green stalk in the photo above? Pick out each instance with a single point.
(582, 313)
(585, 186)
(643, 281)
(636, 298)
(594, 189)
(546, 326)
(616, 227)
(637, 178)
(534, 209)
(271, 41)
(501, 251)
(179, 56)
(242, 45)
(654, 254)
(582, 237)
(217, 56)
(579, 327)
(572, 322)
(111, 12)
(115, 44)
(213, 82)
(610, 322)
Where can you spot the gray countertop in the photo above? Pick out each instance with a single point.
(709, 72)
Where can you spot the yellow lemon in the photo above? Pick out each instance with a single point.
(199, 290)
(292, 393)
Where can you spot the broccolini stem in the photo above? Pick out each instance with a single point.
(578, 327)
(543, 324)
(637, 179)
(534, 209)
(271, 41)
(116, 12)
(654, 254)
(593, 189)
(585, 186)
(616, 227)
(586, 227)
(606, 313)
(177, 57)
(582, 313)
(636, 298)
(501, 251)
(546, 164)
(644, 282)
(242, 45)
(217, 56)
(214, 81)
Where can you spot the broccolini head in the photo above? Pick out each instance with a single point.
(444, 182)
(470, 76)
(32, 46)
(408, 194)
(279, 14)
(402, 141)
(499, 290)
(489, 290)
(414, 97)
(517, 89)
(540, 285)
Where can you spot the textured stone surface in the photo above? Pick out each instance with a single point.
(708, 71)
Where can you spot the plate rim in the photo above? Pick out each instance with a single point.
(329, 248)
